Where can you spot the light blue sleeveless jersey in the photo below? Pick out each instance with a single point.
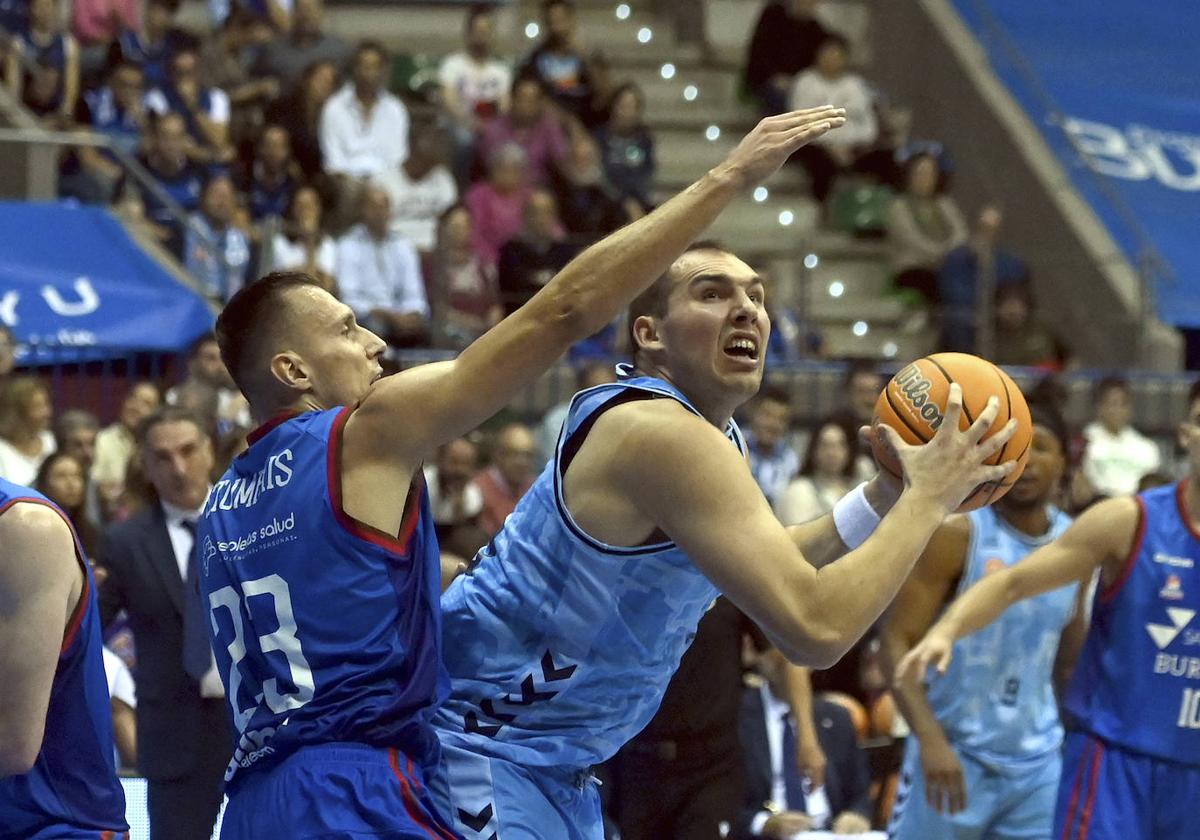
(996, 701)
(560, 647)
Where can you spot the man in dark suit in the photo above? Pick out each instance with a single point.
(778, 802)
(184, 733)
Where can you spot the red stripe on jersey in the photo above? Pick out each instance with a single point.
(415, 812)
(1085, 821)
(1083, 762)
(1111, 591)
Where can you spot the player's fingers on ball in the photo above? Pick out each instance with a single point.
(985, 420)
(987, 448)
(891, 438)
(953, 410)
(998, 472)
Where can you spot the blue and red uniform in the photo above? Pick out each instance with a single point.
(1131, 771)
(72, 791)
(326, 633)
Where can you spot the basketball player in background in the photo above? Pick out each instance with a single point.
(646, 512)
(1131, 767)
(57, 776)
(319, 565)
(984, 756)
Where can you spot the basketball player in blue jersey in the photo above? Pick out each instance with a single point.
(318, 563)
(1131, 765)
(57, 775)
(562, 638)
(984, 757)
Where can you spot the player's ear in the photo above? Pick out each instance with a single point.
(645, 334)
(290, 370)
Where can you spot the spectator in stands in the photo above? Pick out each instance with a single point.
(768, 733)
(303, 244)
(536, 254)
(589, 206)
(42, 67)
(421, 188)
(475, 85)
(25, 437)
(968, 279)
(627, 147)
(75, 434)
(216, 251)
(466, 294)
(116, 111)
(558, 62)
(153, 43)
(853, 146)
(273, 177)
(826, 475)
(205, 367)
(1117, 455)
(861, 387)
(588, 375)
(454, 498)
(226, 62)
(267, 15)
(923, 226)
(122, 694)
(1019, 337)
(96, 25)
(773, 460)
(784, 42)
(379, 275)
(8, 354)
(201, 401)
(116, 444)
(61, 478)
(289, 58)
(791, 338)
(497, 205)
(364, 128)
(205, 110)
(299, 113)
(512, 470)
(183, 180)
(532, 125)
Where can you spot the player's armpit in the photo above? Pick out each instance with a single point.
(40, 584)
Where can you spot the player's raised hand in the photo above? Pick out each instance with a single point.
(935, 649)
(774, 139)
(950, 467)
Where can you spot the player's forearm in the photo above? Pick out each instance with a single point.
(978, 607)
(910, 698)
(597, 285)
(819, 540)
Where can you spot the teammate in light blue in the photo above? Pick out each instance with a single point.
(984, 758)
(57, 776)
(562, 638)
(1131, 768)
(318, 564)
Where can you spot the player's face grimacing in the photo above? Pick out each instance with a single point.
(715, 331)
(1043, 472)
(340, 356)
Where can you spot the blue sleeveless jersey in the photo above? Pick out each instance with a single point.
(559, 646)
(996, 701)
(73, 785)
(1137, 684)
(324, 630)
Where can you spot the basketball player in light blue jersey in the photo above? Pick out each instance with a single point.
(562, 638)
(318, 564)
(984, 757)
(1131, 766)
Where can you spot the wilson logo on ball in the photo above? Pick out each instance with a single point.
(915, 388)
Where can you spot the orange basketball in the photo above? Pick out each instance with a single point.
(914, 402)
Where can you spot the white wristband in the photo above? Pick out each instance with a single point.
(854, 517)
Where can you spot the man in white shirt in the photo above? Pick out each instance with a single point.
(364, 128)
(421, 189)
(475, 84)
(1117, 455)
(830, 81)
(379, 275)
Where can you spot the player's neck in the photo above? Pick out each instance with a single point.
(1033, 520)
(713, 409)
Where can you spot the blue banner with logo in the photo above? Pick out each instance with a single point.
(72, 279)
(1116, 85)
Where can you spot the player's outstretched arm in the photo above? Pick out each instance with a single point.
(910, 616)
(682, 474)
(1101, 537)
(40, 583)
(426, 406)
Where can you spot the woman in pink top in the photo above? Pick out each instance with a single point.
(497, 205)
(531, 124)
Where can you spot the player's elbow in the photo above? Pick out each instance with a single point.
(814, 645)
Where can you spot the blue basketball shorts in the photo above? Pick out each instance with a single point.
(489, 798)
(342, 791)
(1003, 803)
(1108, 793)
